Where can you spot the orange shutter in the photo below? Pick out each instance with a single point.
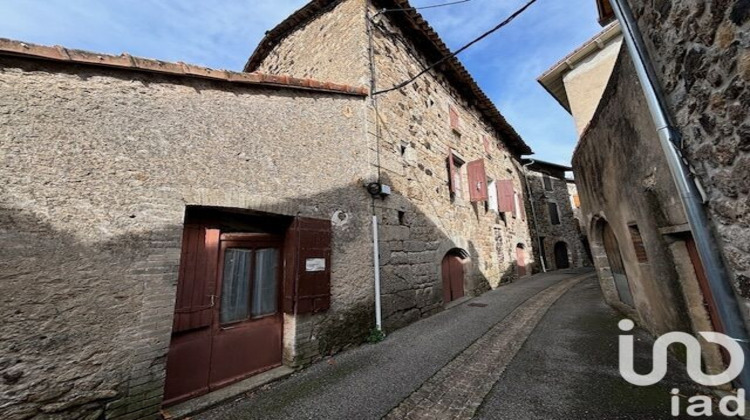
(307, 266)
(505, 195)
(577, 201)
(477, 181)
(197, 278)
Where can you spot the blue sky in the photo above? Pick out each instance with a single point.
(223, 34)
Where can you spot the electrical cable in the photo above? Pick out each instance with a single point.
(423, 7)
(458, 51)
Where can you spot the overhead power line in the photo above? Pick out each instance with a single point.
(458, 51)
(424, 7)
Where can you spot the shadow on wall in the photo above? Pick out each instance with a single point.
(71, 312)
(76, 312)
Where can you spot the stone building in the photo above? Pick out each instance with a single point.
(642, 246)
(161, 217)
(554, 227)
(109, 165)
(452, 160)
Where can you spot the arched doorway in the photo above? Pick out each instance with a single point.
(561, 255)
(612, 249)
(452, 269)
(521, 260)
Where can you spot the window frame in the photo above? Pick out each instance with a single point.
(254, 242)
(557, 213)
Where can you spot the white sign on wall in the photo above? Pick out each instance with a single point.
(315, 264)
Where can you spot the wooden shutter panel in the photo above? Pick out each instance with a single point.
(477, 181)
(454, 119)
(505, 196)
(451, 172)
(307, 291)
(197, 278)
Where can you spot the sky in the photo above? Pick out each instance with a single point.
(222, 34)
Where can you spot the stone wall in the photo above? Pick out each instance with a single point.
(637, 191)
(98, 166)
(566, 231)
(335, 47)
(701, 54)
(414, 136)
(410, 137)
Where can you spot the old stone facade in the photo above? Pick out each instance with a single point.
(411, 136)
(100, 168)
(553, 221)
(637, 228)
(642, 246)
(108, 161)
(701, 54)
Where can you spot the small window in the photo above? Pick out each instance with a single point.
(640, 250)
(492, 195)
(456, 177)
(264, 283)
(554, 216)
(455, 121)
(249, 286)
(401, 218)
(547, 182)
(235, 285)
(403, 148)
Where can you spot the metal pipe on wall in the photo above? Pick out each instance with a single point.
(376, 262)
(728, 308)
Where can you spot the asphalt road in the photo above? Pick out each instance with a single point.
(565, 369)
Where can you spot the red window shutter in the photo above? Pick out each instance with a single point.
(505, 195)
(454, 119)
(307, 282)
(451, 171)
(477, 181)
(196, 278)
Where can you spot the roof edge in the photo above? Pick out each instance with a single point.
(414, 22)
(125, 61)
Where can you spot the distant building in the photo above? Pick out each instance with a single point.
(554, 228)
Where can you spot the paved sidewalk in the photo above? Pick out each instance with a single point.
(369, 381)
(457, 390)
(542, 348)
(567, 369)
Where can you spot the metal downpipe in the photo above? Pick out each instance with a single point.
(729, 312)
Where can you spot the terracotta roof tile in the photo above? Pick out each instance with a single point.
(10, 47)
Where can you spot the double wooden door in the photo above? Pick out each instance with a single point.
(228, 322)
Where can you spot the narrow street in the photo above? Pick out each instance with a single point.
(542, 347)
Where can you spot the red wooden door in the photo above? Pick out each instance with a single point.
(247, 323)
(521, 261)
(453, 278)
(228, 321)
